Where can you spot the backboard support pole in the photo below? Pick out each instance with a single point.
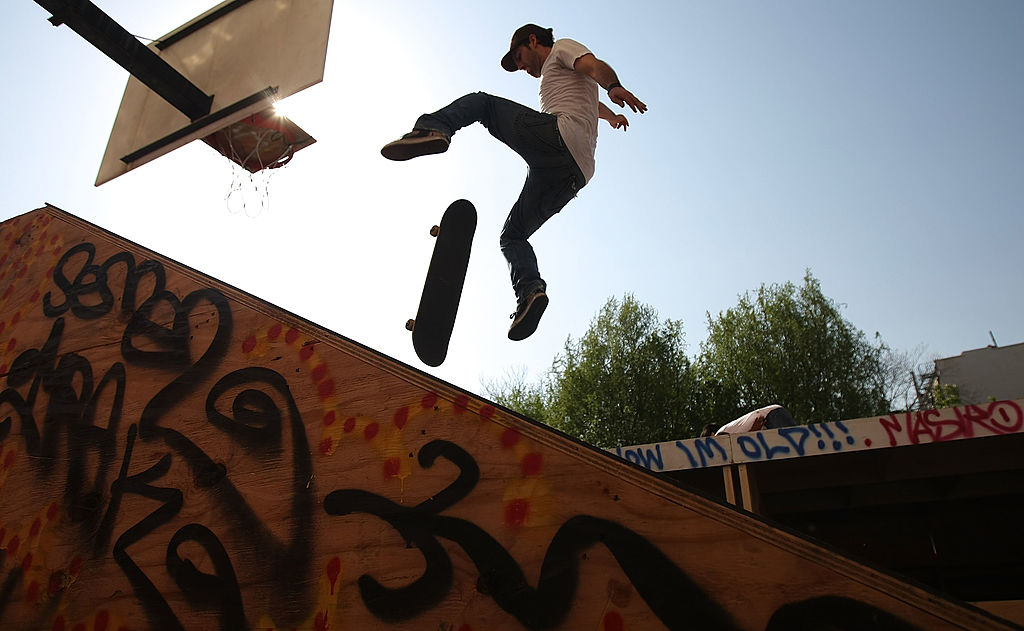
(110, 38)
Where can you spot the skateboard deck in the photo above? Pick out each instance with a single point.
(442, 289)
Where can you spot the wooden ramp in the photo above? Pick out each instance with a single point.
(177, 454)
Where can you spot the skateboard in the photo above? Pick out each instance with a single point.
(442, 290)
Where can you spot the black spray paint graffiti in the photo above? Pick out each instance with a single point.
(72, 418)
(255, 424)
(672, 596)
(655, 577)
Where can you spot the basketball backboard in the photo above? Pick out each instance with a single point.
(246, 54)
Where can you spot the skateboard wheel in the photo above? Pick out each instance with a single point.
(410, 324)
(436, 230)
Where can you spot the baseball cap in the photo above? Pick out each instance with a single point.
(519, 38)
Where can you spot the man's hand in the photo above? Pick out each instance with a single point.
(623, 97)
(619, 121)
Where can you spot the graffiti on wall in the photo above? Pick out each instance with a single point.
(908, 428)
(70, 415)
(157, 442)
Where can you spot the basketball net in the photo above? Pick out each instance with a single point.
(249, 192)
(257, 146)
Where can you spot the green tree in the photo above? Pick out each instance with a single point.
(626, 381)
(515, 393)
(945, 395)
(790, 345)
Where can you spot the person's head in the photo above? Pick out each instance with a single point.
(779, 417)
(530, 47)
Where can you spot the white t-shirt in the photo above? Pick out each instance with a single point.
(572, 97)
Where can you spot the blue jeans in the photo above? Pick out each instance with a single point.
(552, 180)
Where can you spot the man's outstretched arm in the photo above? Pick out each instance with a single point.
(604, 75)
(615, 120)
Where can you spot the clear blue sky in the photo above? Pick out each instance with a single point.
(879, 144)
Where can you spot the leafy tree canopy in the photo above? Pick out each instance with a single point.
(625, 381)
(628, 379)
(790, 345)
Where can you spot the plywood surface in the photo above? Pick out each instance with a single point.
(177, 454)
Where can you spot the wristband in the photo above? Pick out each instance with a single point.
(613, 86)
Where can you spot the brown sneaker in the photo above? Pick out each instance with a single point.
(527, 315)
(418, 142)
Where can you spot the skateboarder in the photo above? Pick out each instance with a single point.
(557, 144)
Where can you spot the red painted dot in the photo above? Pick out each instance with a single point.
(274, 332)
(22, 272)
(429, 401)
(333, 571)
(320, 622)
(532, 464)
(329, 418)
(319, 372)
(326, 444)
(12, 545)
(16, 318)
(461, 403)
(35, 296)
(487, 412)
(56, 583)
(306, 352)
(11, 344)
(101, 621)
(509, 438)
(291, 335)
(249, 344)
(401, 417)
(392, 467)
(32, 593)
(867, 442)
(516, 512)
(36, 526)
(325, 389)
(26, 563)
(350, 425)
(371, 431)
(613, 621)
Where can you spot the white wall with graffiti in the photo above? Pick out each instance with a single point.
(883, 432)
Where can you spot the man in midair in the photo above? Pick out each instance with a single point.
(557, 143)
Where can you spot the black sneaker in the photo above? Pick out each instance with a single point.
(418, 142)
(527, 315)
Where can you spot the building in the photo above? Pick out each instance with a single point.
(994, 373)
